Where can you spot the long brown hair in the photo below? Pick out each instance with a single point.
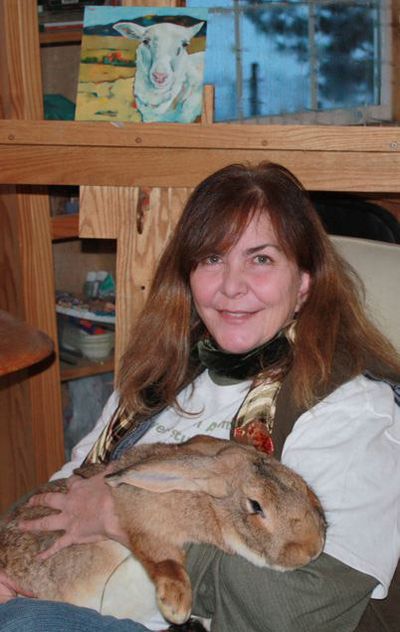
(331, 323)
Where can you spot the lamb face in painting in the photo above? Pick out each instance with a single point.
(168, 84)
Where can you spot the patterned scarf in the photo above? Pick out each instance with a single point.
(253, 423)
(120, 423)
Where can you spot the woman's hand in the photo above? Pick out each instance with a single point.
(9, 589)
(86, 514)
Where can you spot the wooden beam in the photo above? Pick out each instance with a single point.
(119, 166)
(68, 152)
(214, 136)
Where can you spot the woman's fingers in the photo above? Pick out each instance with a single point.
(59, 544)
(85, 513)
(53, 522)
(55, 500)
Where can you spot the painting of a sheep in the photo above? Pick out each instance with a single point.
(168, 82)
(142, 64)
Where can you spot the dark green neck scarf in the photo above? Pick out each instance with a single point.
(274, 354)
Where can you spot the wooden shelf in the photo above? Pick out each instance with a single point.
(61, 27)
(65, 226)
(85, 368)
(21, 345)
(67, 36)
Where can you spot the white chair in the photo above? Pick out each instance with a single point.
(378, 265)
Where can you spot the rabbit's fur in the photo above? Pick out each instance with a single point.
(167, 495)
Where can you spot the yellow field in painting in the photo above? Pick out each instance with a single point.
(94, 43)
(106, 101)
(105, 90)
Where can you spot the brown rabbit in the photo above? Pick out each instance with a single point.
(168, 495)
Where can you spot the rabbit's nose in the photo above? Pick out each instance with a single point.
(296, 554)
(306, 540)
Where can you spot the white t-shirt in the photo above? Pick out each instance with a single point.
(347, 448)
(210, 409)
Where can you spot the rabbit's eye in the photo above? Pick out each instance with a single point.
(255, 507)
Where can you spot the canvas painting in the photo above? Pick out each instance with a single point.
(142, 64)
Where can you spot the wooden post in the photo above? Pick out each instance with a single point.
(31, 433)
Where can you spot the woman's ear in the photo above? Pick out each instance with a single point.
(304, 288)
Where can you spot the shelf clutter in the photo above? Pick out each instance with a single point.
(86, 327)
(61, 21)
(60, 26)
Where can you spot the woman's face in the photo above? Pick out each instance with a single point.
(246, 295)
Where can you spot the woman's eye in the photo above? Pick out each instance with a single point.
(212, 259)
(262, 259)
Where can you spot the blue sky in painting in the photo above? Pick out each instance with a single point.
(107, 15)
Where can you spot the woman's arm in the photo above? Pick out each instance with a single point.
(324, 596)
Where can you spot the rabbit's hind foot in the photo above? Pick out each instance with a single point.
(174, 591)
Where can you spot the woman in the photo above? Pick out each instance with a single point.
(253, 329)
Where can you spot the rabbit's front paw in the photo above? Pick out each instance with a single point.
(174, 591)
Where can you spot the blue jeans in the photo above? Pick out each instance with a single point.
(31, 615)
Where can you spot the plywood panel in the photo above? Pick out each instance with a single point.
(99, 210)
(141, 241)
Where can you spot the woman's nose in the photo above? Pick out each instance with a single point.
(233, 281)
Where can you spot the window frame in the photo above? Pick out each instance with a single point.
(357, 115)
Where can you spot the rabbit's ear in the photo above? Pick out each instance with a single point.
(179, 474)
(204, 444)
